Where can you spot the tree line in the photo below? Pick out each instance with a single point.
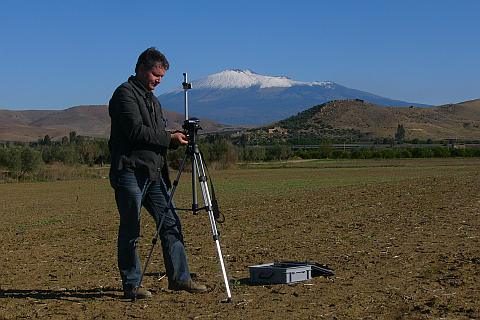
(285, 152)
(21, 159)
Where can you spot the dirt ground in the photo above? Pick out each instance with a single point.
(402, 236)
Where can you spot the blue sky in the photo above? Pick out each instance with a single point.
(58, 54)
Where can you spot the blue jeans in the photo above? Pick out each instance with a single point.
(132, 190)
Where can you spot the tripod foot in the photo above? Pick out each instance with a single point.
(228, 300)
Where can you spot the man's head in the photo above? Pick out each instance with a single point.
(151, 67)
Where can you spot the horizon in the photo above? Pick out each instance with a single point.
(58, 54)
(179, 87)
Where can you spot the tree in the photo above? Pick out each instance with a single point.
(72, 136)
(68, 155)
(20, 160)
(400, 134)
(278, 152)
(220, 151)
(13, 160)
(88, 151)
(45, 141)
(30, 160)
(254, 153)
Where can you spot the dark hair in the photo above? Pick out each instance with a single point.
(150, 57)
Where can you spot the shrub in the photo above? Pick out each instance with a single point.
(30, 160)
(12, 159)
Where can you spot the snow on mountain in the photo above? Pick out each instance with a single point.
(235, 79)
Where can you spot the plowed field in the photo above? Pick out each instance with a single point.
(402, 236)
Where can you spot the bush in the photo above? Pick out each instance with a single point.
(250, 153)
(30, 160)
(11, 158)
(441, 152)
(340, 154)
(279, 152)
(404, 153)
(389, 154)
(20, 161)
(220, 153)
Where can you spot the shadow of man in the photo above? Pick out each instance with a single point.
(62, 294)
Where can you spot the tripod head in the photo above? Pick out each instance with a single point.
(191, 126)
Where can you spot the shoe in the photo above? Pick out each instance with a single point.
(189, 286)
(141, 293)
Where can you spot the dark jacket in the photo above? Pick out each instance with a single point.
(138, 139)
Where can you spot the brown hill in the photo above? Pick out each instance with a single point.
(92, 121)
(453, 121)
(335, 119)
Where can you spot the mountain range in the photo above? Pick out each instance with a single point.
(452, 121)
(243, 97)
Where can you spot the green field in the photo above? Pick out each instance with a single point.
(402, 236)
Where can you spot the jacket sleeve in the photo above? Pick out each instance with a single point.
(128, 115)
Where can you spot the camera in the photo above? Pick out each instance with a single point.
(191, 125)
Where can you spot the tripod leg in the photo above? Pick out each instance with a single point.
(208, 204)
(194, 186)
(163, 214)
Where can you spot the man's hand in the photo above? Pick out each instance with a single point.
(179, 137)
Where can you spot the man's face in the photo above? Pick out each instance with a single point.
(150, 78)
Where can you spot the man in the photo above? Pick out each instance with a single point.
(139, 175)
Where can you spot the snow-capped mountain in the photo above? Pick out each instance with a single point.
(237, 79)
(245, 97)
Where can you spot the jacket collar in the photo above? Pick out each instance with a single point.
(139, 87)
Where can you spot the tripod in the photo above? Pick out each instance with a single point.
(191, 126)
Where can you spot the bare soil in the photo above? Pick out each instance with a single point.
(402, 236)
